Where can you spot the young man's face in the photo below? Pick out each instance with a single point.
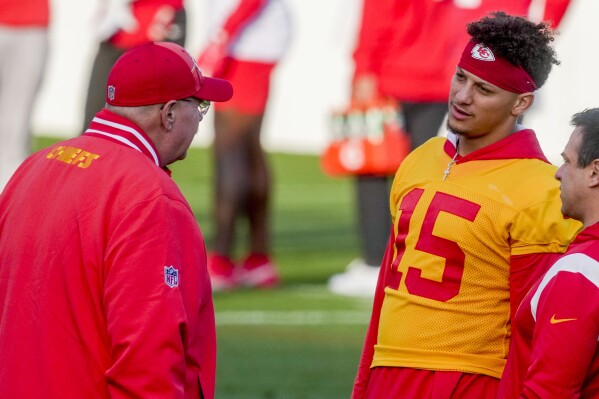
(478, 109)
(573, 185)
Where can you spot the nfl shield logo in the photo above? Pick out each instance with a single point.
(111, 91)
(171, 276)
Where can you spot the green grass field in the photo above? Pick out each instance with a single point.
(298, 340)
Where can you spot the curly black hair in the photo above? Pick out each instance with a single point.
(518, 40)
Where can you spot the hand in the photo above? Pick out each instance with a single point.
(114, 16)
(161, 26)
(365, 90)
(212, 59)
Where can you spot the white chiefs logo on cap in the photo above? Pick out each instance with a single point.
(482, 53)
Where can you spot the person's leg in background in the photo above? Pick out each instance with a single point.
(422, 121)
(374, 224)
(96, 91)
(372, 193)
(23, 55)
(242, 181)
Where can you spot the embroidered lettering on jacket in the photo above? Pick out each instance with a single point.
(72, 156)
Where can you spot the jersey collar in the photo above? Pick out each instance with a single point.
(522, 144)
(118, 129)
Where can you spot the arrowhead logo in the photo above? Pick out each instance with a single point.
(555, 320)
(482, 53)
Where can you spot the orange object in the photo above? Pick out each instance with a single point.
(366, 140)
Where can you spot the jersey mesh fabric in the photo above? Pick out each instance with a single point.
(449, 307)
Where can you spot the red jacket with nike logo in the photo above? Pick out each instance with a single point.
(553, 352)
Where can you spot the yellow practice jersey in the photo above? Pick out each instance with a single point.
(446, 297)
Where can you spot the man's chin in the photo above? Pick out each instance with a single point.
(455, 130)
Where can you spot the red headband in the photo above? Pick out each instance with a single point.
(480, 60)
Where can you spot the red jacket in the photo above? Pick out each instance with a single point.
(553, 353)
(24, 13)
(104, 291)
(154, 19)
(413, 46)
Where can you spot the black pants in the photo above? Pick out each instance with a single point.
(105, 58)
(422, 121)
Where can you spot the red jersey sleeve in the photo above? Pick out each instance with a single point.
(245, 11)
(565, 336)
(376, 29)
(154, 20)
(156, 320)
(363, 375)
(555, 11)
(212, 60)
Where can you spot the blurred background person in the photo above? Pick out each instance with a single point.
(23, 55)
(406, 51)
(247, 39)
(122, 25)
(399, 53)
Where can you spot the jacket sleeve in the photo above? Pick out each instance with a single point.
(363, 375)
(565, 337)
(555, 11)
(157, 302)
(375, 32)
(213, 58)
(525, 270)
(534, 250)
(244, 13)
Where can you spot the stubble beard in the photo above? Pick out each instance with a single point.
(455, 130)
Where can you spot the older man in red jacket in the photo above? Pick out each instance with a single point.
(104, 291)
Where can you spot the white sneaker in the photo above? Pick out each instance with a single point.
(359, 280)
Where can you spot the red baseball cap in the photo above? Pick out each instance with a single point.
(157, 72)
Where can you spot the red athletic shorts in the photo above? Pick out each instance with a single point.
(251, 83)
(405, 383)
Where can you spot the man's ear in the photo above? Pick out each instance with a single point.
(594, 173)
(168, 115)
(523, 102)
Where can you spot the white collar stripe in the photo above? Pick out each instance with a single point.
(574, 263)
(116, 137)
(134, 132)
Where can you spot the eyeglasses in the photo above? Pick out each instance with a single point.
(203, 105)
